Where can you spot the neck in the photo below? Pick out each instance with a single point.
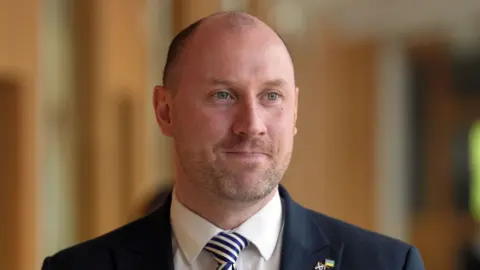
(224, 214)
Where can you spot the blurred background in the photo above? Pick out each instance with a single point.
(389, 110)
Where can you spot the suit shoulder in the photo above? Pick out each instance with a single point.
(358, 243)
(354, 236)
(367, 248)
(95, 253)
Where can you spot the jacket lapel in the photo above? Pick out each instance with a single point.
(149, 247)
(305, 246)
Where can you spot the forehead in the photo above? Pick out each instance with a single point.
(246, 54)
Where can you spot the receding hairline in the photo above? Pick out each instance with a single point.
(232, 20)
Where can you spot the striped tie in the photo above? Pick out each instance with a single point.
(226, 247)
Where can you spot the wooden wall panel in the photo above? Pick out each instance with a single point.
(19, 22)
(84, 88)
(111, 71)
(333, 167)
(9, 173)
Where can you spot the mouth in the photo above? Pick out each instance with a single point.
(246, 154)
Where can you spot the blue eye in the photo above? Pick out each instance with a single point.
(272, 96)
(222, 95)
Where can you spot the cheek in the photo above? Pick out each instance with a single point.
(282, 133)
(215, 123)
(203, 127)
(281, 128)
(281, 121)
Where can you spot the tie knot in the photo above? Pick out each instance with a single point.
(226, 248)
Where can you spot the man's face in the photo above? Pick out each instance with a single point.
(234, 112)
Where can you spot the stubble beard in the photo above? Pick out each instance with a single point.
(244, 183)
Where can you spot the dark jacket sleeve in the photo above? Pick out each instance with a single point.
(46, 264)
(414, 260)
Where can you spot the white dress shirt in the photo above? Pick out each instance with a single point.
(192, 232)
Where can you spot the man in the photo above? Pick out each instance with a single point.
(229, 102)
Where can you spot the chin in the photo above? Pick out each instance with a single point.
(247, 187)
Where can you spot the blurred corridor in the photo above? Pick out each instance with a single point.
(388, 138)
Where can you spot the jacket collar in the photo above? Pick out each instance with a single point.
(148, 244)
(304, 246)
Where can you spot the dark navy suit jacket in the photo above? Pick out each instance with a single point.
(309, 239)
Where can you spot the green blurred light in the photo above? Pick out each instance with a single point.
(474, 142)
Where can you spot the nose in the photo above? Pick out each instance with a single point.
(248, 121)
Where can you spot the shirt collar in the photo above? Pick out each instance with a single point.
(264, 228)
(192, 232)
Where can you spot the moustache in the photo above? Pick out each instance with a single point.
(243, 144)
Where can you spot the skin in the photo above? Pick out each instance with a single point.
(231, 113)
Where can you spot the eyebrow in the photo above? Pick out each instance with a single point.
(270, 83)
(276, 83)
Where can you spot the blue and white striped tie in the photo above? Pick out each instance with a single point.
(226, 247)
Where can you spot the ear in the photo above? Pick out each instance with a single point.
(296, 110)
(162, 104)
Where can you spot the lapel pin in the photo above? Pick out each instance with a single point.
(324, 266)
(329, 263)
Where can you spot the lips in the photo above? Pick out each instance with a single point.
(247, 154)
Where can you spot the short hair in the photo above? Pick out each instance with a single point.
(175, 50)
(179, 42)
